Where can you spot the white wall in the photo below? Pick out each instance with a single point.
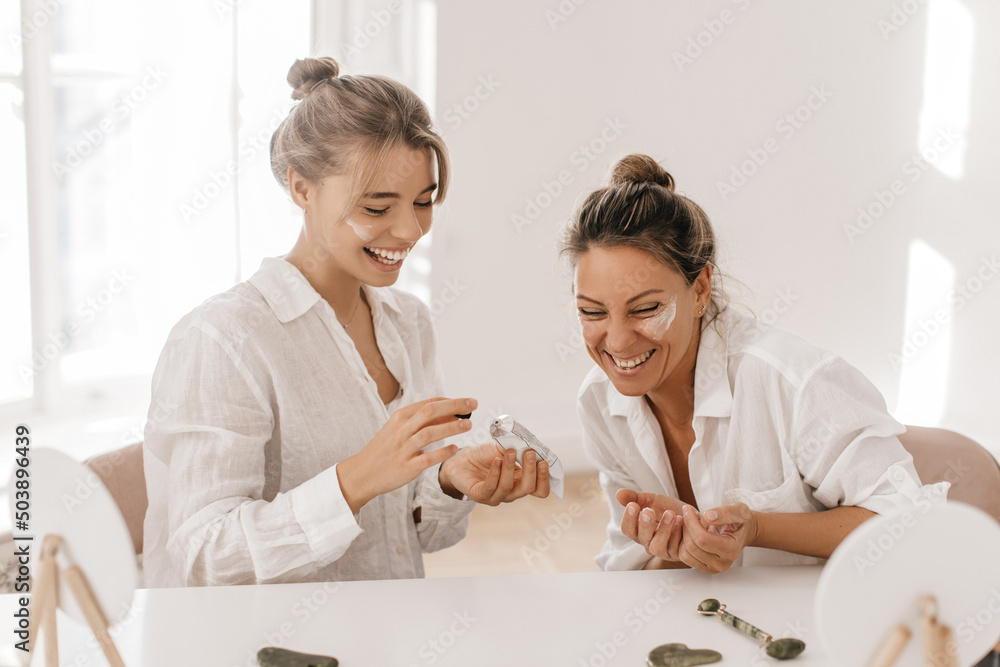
(506, 315)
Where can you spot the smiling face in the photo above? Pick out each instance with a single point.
(372, 242)
(640, 319)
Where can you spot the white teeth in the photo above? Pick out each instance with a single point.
(388, 256)
(632, 363)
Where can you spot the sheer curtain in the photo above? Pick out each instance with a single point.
(135, 179)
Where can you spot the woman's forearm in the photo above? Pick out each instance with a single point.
(814, 534)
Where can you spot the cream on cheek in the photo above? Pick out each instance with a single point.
(656, 326)
(363, 232)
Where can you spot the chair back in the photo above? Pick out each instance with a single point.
(940, 455)
(121, 472)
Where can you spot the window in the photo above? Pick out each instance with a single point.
(135, 111)
(136, 177)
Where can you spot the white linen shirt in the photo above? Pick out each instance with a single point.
(258, 395)
(779, 424)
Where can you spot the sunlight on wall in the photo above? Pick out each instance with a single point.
(944, 116)
(926, 348)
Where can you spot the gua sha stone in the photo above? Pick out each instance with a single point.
(679, 655)
(782, 649)
(271, 656)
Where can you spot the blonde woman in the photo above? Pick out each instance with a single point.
(307, 401)
(719, 442)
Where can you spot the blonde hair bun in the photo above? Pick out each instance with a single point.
(307, 72)
(638, 168)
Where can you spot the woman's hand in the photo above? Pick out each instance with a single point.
(653, 521)
(395, 456)
(677, 534)
(712, 541)
(490, 475)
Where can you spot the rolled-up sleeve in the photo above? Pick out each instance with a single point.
(212, 441)
(444, 521)
(846, 447)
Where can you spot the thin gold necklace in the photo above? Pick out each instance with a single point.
(353, 314)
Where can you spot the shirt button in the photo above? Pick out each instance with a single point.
(400, 550)
(435, 495)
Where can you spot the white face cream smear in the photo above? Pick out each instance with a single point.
(656, 327)
(364, 232)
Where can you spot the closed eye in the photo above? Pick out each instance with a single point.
(423, 204)
(375, 211)
(649, 310)
(587, 312)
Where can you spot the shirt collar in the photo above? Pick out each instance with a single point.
(284, 288)
(712, 395)
(383, 297)
(290, 295)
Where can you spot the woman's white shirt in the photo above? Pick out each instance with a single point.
(779, 424)
(258, 394)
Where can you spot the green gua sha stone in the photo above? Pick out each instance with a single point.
(270, 656)
(785, 649)
(679, 655)
(782, 649)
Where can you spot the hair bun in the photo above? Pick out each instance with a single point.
(638, 168)
(306, 73)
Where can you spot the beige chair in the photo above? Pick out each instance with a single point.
(940, 455)
(122, 474)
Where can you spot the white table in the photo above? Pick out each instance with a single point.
(571, 620)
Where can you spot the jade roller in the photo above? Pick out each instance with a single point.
(782, 649)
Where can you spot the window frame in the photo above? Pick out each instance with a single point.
(51, 399)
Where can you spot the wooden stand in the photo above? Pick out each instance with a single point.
(45, 601)
(939, 641)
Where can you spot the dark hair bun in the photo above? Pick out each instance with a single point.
(307, 72)
(638, 168)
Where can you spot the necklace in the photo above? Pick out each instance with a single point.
(353, 314)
